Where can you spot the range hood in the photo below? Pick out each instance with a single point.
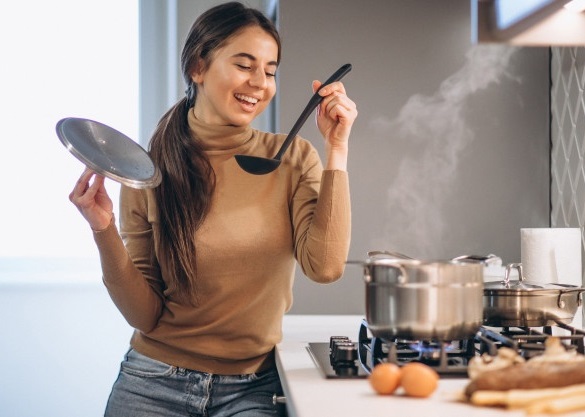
(528, 22)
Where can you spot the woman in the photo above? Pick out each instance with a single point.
(203, 265)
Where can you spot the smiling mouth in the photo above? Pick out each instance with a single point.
(251, 101)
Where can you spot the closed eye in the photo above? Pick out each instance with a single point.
(247, 68)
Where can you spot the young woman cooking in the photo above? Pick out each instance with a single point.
(203, 265)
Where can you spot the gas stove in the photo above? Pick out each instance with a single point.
(343, 358)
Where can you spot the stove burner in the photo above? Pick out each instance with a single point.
(430, 351)
(447, 358)
(342, 358)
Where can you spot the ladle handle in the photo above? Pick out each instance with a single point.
(311, 105)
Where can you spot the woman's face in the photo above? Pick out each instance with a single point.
(239, 83)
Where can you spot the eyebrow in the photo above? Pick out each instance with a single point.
(252, 58)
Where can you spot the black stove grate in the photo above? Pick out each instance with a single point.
(529, 341)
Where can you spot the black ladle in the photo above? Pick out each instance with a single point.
(260, 166)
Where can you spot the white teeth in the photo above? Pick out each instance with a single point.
(251, 100)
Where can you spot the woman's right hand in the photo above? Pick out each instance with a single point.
(92, 200)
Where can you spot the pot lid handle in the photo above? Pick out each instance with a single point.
(521, 283)
(509, 267)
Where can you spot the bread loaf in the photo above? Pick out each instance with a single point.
(529, 376)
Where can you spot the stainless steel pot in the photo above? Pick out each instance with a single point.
(417, 300)
(522, 303)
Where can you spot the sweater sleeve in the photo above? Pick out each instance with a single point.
(130, 273)
(321, 213)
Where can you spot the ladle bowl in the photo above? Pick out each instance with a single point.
(258, 165)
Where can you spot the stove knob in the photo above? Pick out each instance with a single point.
(334, 342)
(345, 353)
(336, 339)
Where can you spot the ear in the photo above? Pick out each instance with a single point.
(197, 77)
(198, 72)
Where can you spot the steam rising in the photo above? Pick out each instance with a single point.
(437, 126)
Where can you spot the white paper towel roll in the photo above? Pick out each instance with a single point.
(552, 255)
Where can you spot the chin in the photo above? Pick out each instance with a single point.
(242, 121)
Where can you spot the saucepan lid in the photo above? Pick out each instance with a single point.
(522, 285)
(108, 152)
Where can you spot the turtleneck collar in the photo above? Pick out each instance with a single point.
(216, 137)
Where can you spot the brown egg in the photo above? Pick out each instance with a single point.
(418, 380)
(385, 378)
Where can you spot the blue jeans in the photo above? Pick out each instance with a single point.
(147, 388)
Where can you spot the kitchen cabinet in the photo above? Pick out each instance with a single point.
(309, 394)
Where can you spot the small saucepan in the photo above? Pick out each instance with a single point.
(528, 304)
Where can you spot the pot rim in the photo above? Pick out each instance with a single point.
(417, 263)
(532, 291)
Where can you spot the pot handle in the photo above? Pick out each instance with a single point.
(401, 277)
(560, 302)
(579, 292)
(368, 277)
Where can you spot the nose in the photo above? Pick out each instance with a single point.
(259, 79)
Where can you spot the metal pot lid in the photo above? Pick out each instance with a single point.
(108, 152)
(523, 285)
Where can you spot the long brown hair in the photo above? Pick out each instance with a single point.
(188, 180)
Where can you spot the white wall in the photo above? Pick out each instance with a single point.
(61, 339)
(60, 350)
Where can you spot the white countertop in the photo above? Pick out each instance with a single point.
(309, 394)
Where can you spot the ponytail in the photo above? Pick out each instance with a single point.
(183, 197)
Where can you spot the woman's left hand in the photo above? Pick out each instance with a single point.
(335, 114)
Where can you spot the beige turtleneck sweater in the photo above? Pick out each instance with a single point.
(256, 228)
